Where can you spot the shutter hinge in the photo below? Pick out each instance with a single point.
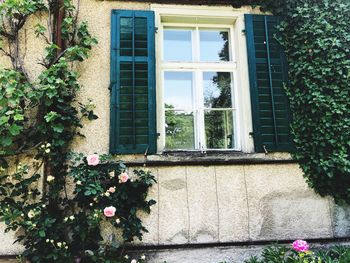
(243, 32)
(146, 152)
(265, 150)
(156, 29)
(251, 135)
(111, 85)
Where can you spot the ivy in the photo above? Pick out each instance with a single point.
(316, 39)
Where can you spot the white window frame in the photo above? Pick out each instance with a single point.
(220, 18)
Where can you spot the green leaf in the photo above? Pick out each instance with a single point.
(58, 127)
(15, 129)
(42, 233)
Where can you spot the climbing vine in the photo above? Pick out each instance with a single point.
(316, 39)
(39, 117)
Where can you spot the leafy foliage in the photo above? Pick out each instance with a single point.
(41, 117)
(284, 254)
(73, 231)
(316, 38)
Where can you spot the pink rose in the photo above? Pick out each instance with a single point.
(123, 177)
(109, 211)
(93, 159)
(300, 245)
(111, 190)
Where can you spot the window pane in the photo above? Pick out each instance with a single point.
(214, 45)
(219, 129)
(178, 90)
(177, 45)
(217, 89)
(179, 130)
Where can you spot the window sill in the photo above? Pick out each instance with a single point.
(176, 158)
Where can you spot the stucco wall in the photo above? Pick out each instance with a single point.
(233, 203)
(197, 203)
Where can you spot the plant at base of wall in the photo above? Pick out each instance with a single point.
(292, 254)
(104, 196)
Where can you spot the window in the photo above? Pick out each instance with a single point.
(180, 80)
(198, 72)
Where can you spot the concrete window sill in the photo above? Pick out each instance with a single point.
(175, 158)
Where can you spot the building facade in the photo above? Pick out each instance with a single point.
(194, 92)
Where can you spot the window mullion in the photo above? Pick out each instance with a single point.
(200, 110)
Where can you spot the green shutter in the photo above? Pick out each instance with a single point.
(267, 73)
(133, 120)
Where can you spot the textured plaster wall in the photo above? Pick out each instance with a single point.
(95, 71)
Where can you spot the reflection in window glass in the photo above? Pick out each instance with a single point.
(179, 130)
(219, 129)
(178, 90)
(177, 45)
(217, 89)
(214, 46)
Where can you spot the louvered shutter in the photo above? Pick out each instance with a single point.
(267, 73)
(133, 121)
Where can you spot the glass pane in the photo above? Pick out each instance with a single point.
(177, 45)
(219, 129)
(179, 130)
(178, 90)
(140, 36)
(126, 36)
(217, 89)
(214, 45)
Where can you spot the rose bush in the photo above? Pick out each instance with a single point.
(105, 191)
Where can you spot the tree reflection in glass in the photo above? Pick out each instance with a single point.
(218, 115)
(179, 118)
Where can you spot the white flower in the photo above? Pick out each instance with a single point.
(79, 182)
(31, 214)
(107, 194)
(59, 244)
(52, 241)
(91, 204)
(50, 178)
(66, 247)
(47, 240)
(133, 261)
(43, 206)
(71, 217)
(22, 215)
(48, 145)
(47, 150)
(117, 221)
(126, 256)
(143, 257)
(65, 219)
